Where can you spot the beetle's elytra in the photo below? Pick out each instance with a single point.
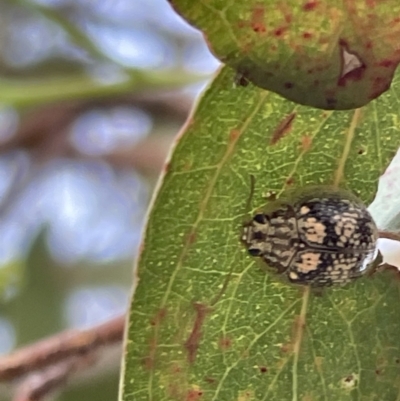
(322, 237)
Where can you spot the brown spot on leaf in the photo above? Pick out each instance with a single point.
(283, 128)
(361, 151)
(395, 21)
(159, 317)
(245, 395)
(210, 380)
(306, 142)
(287, 348)
(386, 63)
(175, 368)
(225, 343)
(288, 85)
(148, 361)
(310, 5)
(191, 239)
(257, 18)
(233, 135)
(280, 31)
(290, 181)
(307, 35)
(192, 343)
(263, 369)
(193, 395)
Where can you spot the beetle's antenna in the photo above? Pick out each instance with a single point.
(251, 194)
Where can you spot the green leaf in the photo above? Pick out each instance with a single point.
(315, 52)
(11, 277)
(206, 323)
(20, 93)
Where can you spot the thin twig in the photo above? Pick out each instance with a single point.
(390, 235)
(60, 347)
(39, 385)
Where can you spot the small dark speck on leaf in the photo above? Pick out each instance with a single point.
(378, 371)
(257, 19)
(193, 395)
(361, 151)
(159, 317)
(397, 360)
(310, 5)
(307, 35)
(349, 378)
(289, 85)
(241, 79)
(290, 181)
(279, 31)
(225, 343)
(263, 369)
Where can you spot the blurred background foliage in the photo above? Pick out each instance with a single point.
(92, 94)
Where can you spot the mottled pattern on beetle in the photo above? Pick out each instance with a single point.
(340, 225)
(318, 241)
(324, 269)
(270, 236)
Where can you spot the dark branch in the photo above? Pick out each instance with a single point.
(60, 348)
(39, 385)
(390, 235)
